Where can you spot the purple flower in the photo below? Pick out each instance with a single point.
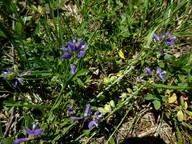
(167, 38)
(96, 118)
(81, 53)
(148, 70)
(72, 47)
(156, 37)
(32, 134)
(161, 74)
(28, 72)
(73, 118)
(87, 115)
(6, 73)
(92, 123)
(165, 35)
(66, 56)
(87, 111)
(20, 140)
(73, 68)
(161, 51)
(18, 80)
(74, 40)
(71, 109)
(64, 48)
(170, 40)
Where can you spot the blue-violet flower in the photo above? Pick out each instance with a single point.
(32, 134)
(71, 109)
(74, 46)
(158, 72)
(167, 38)
(73, 68)
(6, 72)
(97, 117)
(87, 114)
(148, 70)
(161, 74)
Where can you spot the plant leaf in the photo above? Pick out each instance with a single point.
(157, 104)
(173, 98)
(180, 116)
(121, 54)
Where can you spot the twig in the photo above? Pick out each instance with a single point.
(9, 123)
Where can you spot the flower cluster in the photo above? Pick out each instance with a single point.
(158, 73)
(74, 47)
(88, 115)
(166, 37)
(9, 74)
(32, 134)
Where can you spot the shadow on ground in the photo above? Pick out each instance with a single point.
(144, 140)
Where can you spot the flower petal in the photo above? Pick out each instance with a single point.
(20, 75)
(38, 131)
(20, 140)
(170, 42)
(90, 125)
(71, 109)
(161, 76)
(8, 70)
(85, 119)
(156, 37)
(74, 40)
(97, 113)
(28, 72)
(148, 70)
(80, 44)
(3, 72)
(20, 80)
(73, 118)
(28, 130)
(66, 56)
(161, 51)
(101, 116)
(164, 72)
(71, 46)
(158, 70)
(64, 48)
(173, 37)
(96, 124)
(81, 53)
(16, 83)
(34, 125)
(73, 68)
(87, 110)
(163, 35)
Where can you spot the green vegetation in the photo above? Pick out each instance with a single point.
(99, 71)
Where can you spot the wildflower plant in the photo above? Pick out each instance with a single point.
(76, 49)
(123, 66)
